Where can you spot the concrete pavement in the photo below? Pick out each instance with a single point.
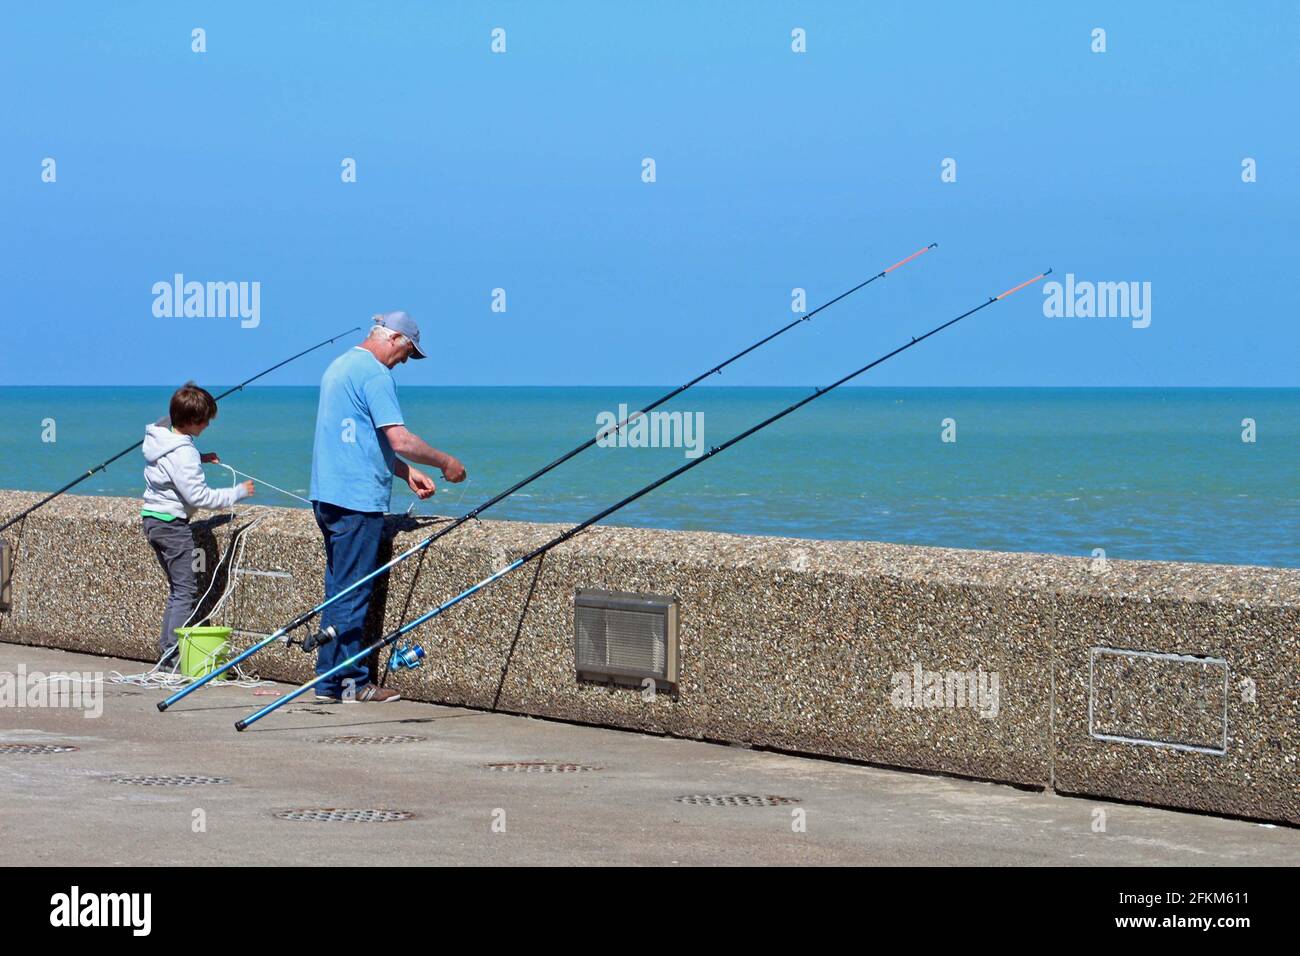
(66, 808)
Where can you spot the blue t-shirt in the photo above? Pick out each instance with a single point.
(352, 462)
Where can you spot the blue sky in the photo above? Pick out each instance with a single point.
(774, 170)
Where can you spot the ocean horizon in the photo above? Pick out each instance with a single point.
(1149, 473)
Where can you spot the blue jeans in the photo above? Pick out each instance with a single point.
(351, 552)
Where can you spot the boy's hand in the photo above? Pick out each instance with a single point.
(420, 483)
(248, 487)
(210, 458)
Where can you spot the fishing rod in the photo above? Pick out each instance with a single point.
(409, 658)
(126, 451)
(313, 641)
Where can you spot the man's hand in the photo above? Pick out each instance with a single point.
(210, 458)
(453, 470)
(420, 483)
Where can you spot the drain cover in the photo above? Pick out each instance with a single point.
(36, 748)
(165, 780)
(734, 800)
(538, 766)
(360, 739)
(333, 815)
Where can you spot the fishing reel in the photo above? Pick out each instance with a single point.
(315, 640)
(406, 658)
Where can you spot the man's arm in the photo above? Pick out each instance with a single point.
(410, 445)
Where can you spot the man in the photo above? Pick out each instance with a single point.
(359, 434)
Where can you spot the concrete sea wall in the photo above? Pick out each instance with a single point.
(1171, 684)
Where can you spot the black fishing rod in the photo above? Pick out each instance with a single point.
(411, 657)
(315, 640)
(126, 451)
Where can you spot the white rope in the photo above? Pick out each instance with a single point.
(232, 547)
(157, 676)
(172, 679)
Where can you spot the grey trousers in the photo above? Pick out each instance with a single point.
(173, 543)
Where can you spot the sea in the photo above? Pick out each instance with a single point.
(1174, 474)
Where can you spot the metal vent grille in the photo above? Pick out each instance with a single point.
(357, 739)
(166, 780)
(538, 766)
(627, 637)
(36, 748)
(334, 815)
(735, 800)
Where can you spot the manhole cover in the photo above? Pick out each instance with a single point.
(333, 815)
(36, 748)
(734, 800)
(165, 780)
(360, 739)
(538, 766)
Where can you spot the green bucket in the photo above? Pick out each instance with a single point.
(202, 649)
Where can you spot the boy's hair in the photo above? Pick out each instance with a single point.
(192, 405)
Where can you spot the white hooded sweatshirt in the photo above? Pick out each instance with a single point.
(173, 474)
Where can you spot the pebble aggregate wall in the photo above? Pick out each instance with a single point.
(1171, 684)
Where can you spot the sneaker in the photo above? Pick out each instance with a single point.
(323, 698)
(373, 694)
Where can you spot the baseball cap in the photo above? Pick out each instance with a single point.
(401, 322)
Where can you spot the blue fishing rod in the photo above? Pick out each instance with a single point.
(126, 451)
(314, 641)
(409, 658)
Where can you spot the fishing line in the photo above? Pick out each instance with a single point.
(411, 656)
(260, 481)
(312, 641)
(519, 629)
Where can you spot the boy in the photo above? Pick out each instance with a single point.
(174, 489)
